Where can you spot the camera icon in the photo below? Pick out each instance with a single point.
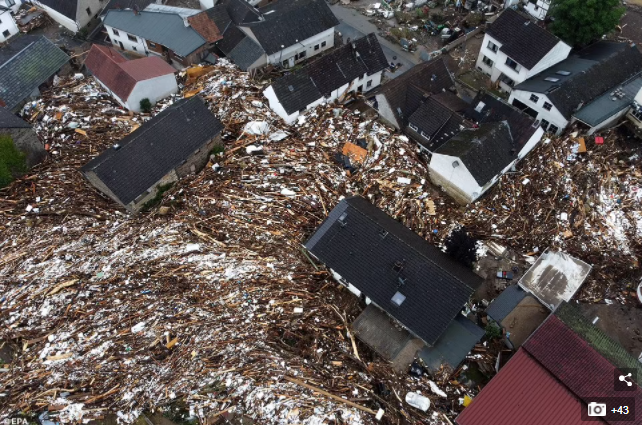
(597, 409)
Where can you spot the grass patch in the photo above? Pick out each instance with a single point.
(156, 199)
(12, 161)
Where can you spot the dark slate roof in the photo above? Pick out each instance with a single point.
(287, 22)
(156, 148)
(241, 11)
(505, 302)
(405, 93)
(496, 109)
(594, 71)
(26, 63)
(453, 346)
(485, 151)
(327, 73)
(245, 53)
(231, 38)
(364, 252)
(608, 104)
(522, 40)
(220, 16)
(67, 8)
(127, 4)
(167, 29)
(10, 120)
(435, 124)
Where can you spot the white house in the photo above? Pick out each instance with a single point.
(71, 14)
(14, 5)
(281, 33)
(515, 48)
(537, 8)
(594, 87)
(8, 26)
(129, 82)
(472, 161)
(354, 67)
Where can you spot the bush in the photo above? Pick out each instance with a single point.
(217, 149)
(461, 246)
(12, 161)
(493, 331)
(146, 106)
(156, 199)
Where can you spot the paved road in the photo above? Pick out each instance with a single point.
(354, 25)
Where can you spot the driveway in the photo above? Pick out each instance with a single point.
(354, 25)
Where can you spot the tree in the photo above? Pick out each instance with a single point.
(12, 161)
(461, 246)
(146, 106)
(579, 22)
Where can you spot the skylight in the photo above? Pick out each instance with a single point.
(398, 298)
(564, 73)
(551, 79)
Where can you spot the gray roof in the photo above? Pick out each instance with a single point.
(167, 29)
(505, 302)
(245, 53)
(157, 147)
(287, 22)
(26, 63)
(67, 8)
(593, 71)
(610, 103)
(522, 40)
(380, 257)
(323, 75)
(11, 120)
(453, 346)
(436, 121)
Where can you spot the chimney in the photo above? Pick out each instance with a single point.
(136, 10)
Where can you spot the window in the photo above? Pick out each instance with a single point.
(11, 2)
(547, 106)
(534, 98)
(488, 62)
(6, 34)
(544, 124)
(115, 31)
(507, 80)
(455, 164)
(316, 47)
(425, 136)
(134, 48)
(132, 38)
(369, 83)
(553, 129)
(492, 47)
(88, 10)
(0, 21)
(302, 54)
(551, 79)
(512, 64)
(564, 73)
(323, 44)
(150, 44)
(414, 127)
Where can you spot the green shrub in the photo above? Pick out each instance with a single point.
(217, 149)
(156, 199)
(12, 161)
(146, 106)
(493, 331)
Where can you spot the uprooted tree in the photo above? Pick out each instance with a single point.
(12, 161)
(579, 22)
(461, 246)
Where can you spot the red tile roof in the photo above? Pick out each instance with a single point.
(121, 75)
(205, 26)
(523, 393)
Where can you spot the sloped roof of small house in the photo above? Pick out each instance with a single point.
(586, 75)
(323, 75)
(205, 26)
(167, 29)
(121, 75)
(435, 123)
(453, 346)
(522, 39)
(11, 120)
(157, 147)
(25, 63)
(506, 302)
(380, 257)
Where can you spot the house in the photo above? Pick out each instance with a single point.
(518, 313)
(23, 136)
(282, 33)
(555, 277)
(473, 160)
(71, 14)
(567, 92)
(8, 26)
(515, 49)
(130, 81)
(174, 143)
(395, 270)
(537, 8)
(354, 67)
(27, 64)
(14, 5)
(180, 35)
(399, 98)
(565, 365)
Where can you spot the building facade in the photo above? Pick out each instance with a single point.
(8, 26)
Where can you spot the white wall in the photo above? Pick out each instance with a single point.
(553, 116)
(276, 106)
(13, 8)
(7, 23)
(154, 89)
(538, 10)
(138, 46)
(95, 6)
(207, 4)
(289, 52)
(457, 176)
(609, 121)
(532, 142)
(385, 111)
(556, 55)
(70, 24)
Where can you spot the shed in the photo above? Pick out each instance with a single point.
(453, 346)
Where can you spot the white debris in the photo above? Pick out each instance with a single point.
(435, 389)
